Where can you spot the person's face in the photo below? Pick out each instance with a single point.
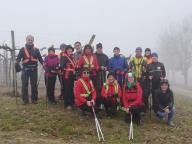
(111, 79)
(154, 59)
(85, 74)
(116, 52)
(164, 87)
(29, 40)
(88, 51)
(51, 52)
(69, 52)
(147, 53)
(138, 53)
(62, 49)
(99, 50)
(77, 46)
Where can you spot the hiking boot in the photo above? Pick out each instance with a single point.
(25, 103)
(171, 124)
(34, 102)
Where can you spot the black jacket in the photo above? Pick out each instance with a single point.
(102, 59)
(164, 99)
(157, 70)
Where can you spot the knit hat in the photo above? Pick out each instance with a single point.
(138, 49)
(154, 54)
(69, 47)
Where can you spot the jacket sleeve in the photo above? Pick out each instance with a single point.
(63, 61)
(139, 100)
(171, 100)
(163, 71)
(77, 92)
(125, 101)
(20, 55)
(110, 66)
(80, 62)
(96, 64)
(125, 65)
(131, 64)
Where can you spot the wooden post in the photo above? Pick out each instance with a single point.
(13, 65)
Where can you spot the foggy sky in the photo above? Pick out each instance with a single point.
(123, 23)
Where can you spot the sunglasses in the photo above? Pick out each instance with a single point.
(86, 72)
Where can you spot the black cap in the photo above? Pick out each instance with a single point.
(116, 48)
(63, 45)
(51, 49)
(164, 81)
(147, 49)
(69, 47)
(99, 45)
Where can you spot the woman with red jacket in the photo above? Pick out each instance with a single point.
(84, 91)
(88, 60)
(68, 66)
(132, 99)
(111, 94)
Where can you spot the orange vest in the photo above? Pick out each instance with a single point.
(27, 56)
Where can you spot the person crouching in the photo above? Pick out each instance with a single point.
(84, 92)
(111, 94)
(132, 99)
(165, 102)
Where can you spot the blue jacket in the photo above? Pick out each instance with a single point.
(118, 63)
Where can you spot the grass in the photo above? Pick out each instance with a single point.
(36, 124)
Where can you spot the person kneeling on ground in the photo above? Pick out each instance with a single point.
(165, 102)
(132, 99)
(84, 92)
(111, 94)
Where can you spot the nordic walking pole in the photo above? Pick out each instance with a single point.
(98, 128)
(131, 129)
(46, 82)
(150, 98)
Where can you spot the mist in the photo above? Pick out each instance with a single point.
(123, 23)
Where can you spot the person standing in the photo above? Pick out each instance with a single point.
(118, 65)
(156, 72)
(51, 66)
(68, 67)
(103, 61)
(30, 55)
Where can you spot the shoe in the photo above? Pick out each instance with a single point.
(171, 124)
(34, 102)
(69, 108)
(25, 103)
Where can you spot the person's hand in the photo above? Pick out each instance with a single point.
(92, 102)
(89, 103)
(103, 68)
(127, 110)
(118, 100)
(150, 77)
(167, 110)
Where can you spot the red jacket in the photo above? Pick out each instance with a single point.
(111, 90)
(79, 89)
(91, 60)
(133, 97)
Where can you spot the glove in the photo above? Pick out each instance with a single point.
(17, 67)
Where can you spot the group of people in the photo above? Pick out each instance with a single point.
(91, 79)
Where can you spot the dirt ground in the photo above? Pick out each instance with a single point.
(38, 124)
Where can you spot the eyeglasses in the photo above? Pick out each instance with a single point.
(86, 72)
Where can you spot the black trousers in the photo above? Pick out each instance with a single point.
(145, 84)
(50, 87)
(68, 85)
(25, 76)
(96, 83)
(135, 111)
(61, 84)
(110, 107)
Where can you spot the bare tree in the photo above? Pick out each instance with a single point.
(175, 48)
